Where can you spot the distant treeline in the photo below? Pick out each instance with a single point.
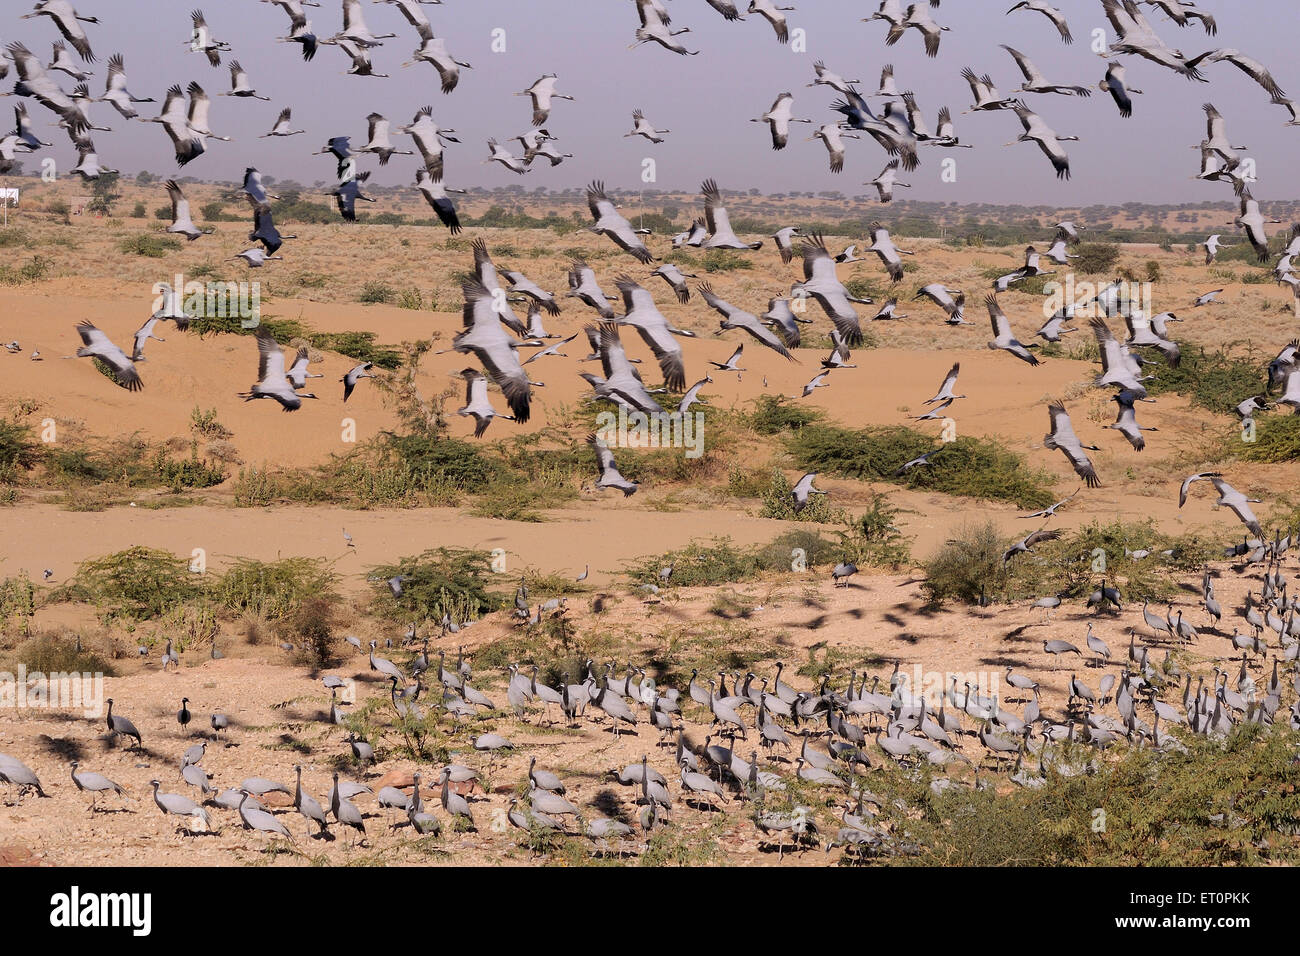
(829, 212)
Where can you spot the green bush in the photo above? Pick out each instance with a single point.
(192, 472)
(283, 331)
(457, 462)
(862, 288)
(273, 589)
(310, 628)
(1215, 380)
(1277, 439)
(777, 413)
(725, 260)
(1096, 257)
(1229, 802)
(33, 270)
(698, 564)
(149, 245)
(873, 538)
(778, 502)
(357, 345)
(441, 581)
(18, 451)
(818, 550)
(17, 603)
(52, 654)
(975, 467)
(376, 292)
(969, 567)
(137, 584)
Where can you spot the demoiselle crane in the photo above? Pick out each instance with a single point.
(428, 137)
(832, 136)
(778, 118)
(1049, 11)
(886, 181)
(353, 376)
(643, 315)
(584, 287)
(610, 222)
(825, 77)
(735, 318)
(282, 125)
(1048, 140)
(721, 235)
(883, 246)
(1063, 438)
(945, 393)
(610, 476)
(96, 345)
(676, 278)
(1135, 36)
(181, 223)
(821, 282)
(377, 141)
(543, 94)
(272, 382)
(1183, 11)
(69, 21)
(643, 127)
(1114, 83)
(434, 52)
(780, 316)
(987, 97)
(1026, 544)
(63, 63)
(1036, 82)
(1252, 221)
(1126, 421)
(919, 19)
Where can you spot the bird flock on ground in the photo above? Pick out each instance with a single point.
(762, 711)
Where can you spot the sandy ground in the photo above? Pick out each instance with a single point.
(278, 712)
(276, 706)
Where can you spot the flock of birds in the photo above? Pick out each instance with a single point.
(763, 712)
(899, 127)
(821, 735)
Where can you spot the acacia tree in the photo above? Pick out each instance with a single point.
(103, 194)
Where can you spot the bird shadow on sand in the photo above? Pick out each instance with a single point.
(1002, 660)
(108, 745)
(62, 747)
(702, 804)
(821, 620)
(609, 804)
(729, 614)
(1017, 634)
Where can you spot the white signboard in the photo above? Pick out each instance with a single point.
(9, 197)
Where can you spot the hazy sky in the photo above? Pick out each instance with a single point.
(706, 100)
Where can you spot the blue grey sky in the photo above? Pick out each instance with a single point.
(706, 100)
